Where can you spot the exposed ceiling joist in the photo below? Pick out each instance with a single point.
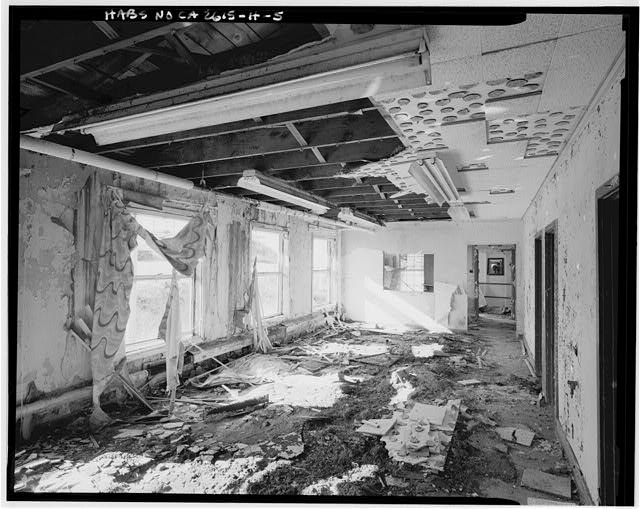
(355, 107)
(122, 44)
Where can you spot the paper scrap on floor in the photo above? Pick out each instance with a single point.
(415, 440)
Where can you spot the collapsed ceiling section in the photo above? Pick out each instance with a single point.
(394, 123)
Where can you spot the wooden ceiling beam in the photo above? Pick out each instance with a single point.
(121, 44)
(70, 87)
(333, 135)
(342, 182)
(346, 108)
(359, 191)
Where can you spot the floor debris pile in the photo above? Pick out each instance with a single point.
(348, 410)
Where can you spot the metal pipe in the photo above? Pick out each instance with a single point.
(82, 157)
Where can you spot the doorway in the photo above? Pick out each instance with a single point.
(491, 281)
(616, 370)
(549, 386)
(538, 304)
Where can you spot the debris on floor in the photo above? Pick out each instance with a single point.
(522, 436)
(348, 410)
(547, 483)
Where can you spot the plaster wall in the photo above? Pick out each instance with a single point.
(567, 197)
(363, 296)
(49, 361)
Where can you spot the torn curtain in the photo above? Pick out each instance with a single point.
(170, 331)
(115, 277)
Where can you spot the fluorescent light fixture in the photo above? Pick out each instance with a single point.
(433, 177)
(281, 190)
(355, 218)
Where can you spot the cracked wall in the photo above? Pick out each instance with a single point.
(49, 361)
(363, 295)
(568, 196)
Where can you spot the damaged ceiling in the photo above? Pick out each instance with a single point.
(494, 105)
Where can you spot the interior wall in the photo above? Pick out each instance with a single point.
(568, 198)
(363, 295)
(48, 359)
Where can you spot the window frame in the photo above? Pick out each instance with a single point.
(282, 265)
(330, 270)
(144, 346)
(428, 289)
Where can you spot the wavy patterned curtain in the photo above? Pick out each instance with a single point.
(115, 280)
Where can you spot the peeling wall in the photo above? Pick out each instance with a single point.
(49, 361)
(363, 295)
(568, 197)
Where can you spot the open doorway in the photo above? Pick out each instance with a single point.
(492, 281)
(616, 370)
(549, 365)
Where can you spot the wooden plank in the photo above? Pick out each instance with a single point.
(181, 49)
(547, 483)
(131, 41)
(307, 114)
(258, 142)
(341, 182)
(291, 160)
(71, 87)
(358, 191)
(354, 127)
(357, 152)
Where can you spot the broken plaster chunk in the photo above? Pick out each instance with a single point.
(547, 483)
(473, 381)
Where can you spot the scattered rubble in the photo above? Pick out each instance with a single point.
(347, 410)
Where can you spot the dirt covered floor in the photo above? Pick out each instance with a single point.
(304, 441)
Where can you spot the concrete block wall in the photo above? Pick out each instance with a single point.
(49, 361)
(363, 295)
(568, 197)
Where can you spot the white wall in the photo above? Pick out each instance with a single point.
(363, 295)
(568, 196)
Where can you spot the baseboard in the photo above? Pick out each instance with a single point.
(581, 484)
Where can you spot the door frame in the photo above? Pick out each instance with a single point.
(612, 467)
(538, 301)
(549, 374)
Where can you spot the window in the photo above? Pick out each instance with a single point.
(322, 290)
(268, 247)
(408, 272)
(152, 283)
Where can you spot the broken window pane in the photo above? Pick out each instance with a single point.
(267, 247)
(269, 287)
(152, 282)
(320, 288)
(148, 302)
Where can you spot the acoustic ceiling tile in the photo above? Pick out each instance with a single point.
(518, 61)
(453, 42)
(579, 65)
(578, 23)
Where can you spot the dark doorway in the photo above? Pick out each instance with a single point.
(615, 429)
(538, 304)
(549, 317)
